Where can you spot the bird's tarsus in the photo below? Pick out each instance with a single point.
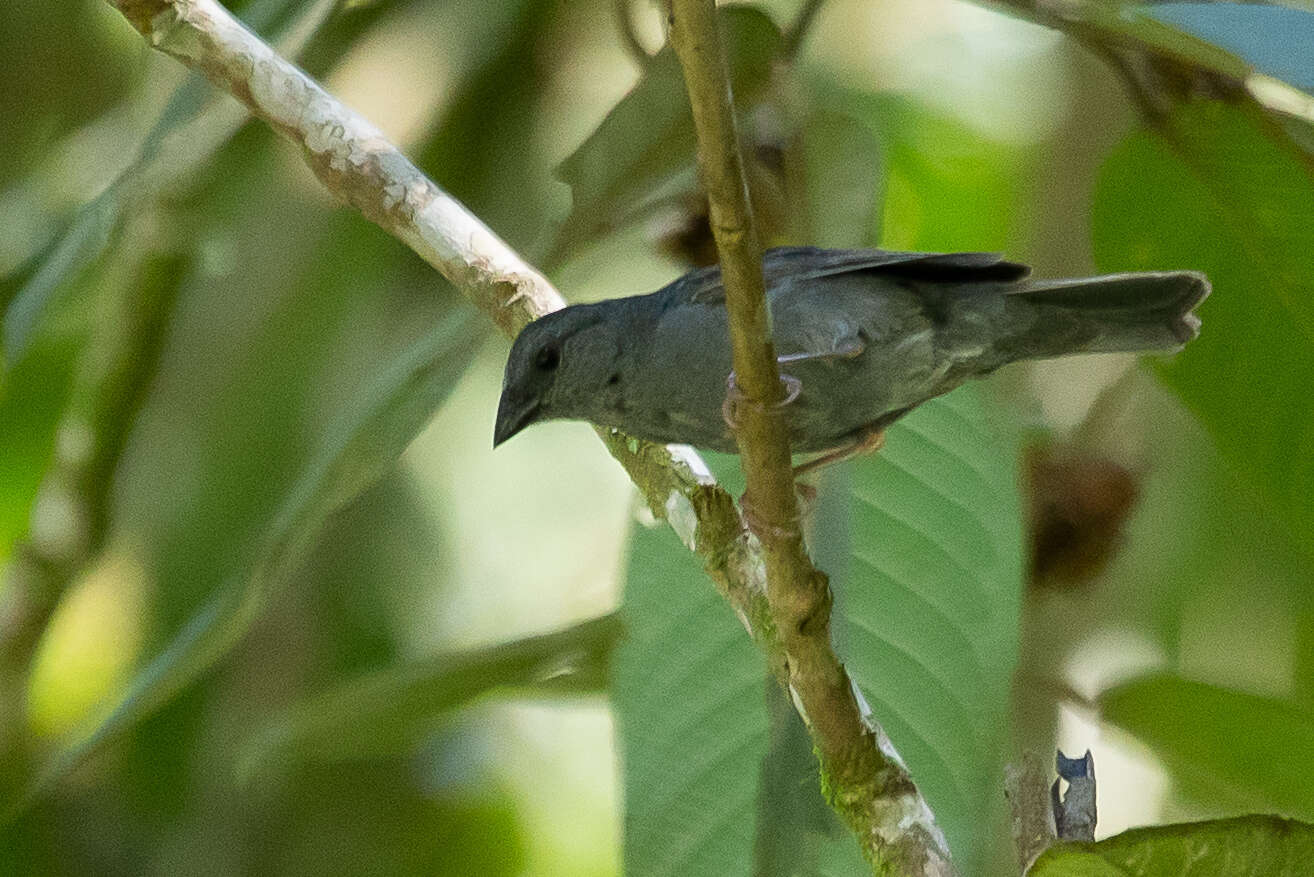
(869, 441)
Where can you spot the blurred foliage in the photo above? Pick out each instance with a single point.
(1217, 189)
(265, 568)
(1221, 744)
(1247, 845)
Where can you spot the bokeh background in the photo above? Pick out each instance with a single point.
(1161, 592)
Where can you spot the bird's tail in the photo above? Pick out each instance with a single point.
(1115, 313)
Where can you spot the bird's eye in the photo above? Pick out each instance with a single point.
(547, 358)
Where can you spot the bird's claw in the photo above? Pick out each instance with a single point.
(735, 397)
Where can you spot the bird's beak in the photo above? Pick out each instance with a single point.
(513, 415)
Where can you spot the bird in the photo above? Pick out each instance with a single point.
(862, 337)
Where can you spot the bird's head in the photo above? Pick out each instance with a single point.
(563, 365)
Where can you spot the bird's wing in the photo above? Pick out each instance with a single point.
(808, 263)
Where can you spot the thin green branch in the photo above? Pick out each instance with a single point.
(865, 782)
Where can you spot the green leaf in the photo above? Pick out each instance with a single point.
(931, 161)
(691, 714)
(32, 399)
(928, 605)
(1248, 750)
(928, 587)
(394, 709)
(648, 138)
(796, 831)
(1248, 846)
(1218, 191)
(838, 165)
(353, 453)
(1275, 40)
(194, 124)
(712, 786)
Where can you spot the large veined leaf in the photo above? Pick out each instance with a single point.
(1250, 846)
(928, 606)
(1218, 191)
(1249, 750)
(648, 138)
(1275, 40)
(353, 453)
(927, 563)
(689, 695)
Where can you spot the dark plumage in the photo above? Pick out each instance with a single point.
(870, 334)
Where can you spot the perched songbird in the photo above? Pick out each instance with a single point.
(864, 336)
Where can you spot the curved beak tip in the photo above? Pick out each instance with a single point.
(511, 419)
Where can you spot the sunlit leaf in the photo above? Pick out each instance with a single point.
(354, 452)
(1121, 24)
(392, 710)
(1249, 846)
(32, 398)
(648, 138)
(1216, 191)
(930, 160)
(1250, 750)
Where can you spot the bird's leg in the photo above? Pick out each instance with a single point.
(868, 441)
(793, 386)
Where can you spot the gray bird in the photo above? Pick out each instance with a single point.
(864, 336)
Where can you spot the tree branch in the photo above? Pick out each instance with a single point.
(865, 780)
(359, 165)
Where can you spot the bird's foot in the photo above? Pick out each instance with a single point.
(734, 397)
(867, 442)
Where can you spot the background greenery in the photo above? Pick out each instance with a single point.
(256, 645)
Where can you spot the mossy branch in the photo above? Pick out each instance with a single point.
(865, 780)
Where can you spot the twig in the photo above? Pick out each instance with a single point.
(1026, 785)
(802, 25)
(865, 781)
